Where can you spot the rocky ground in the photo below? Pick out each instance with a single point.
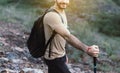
(15, 58)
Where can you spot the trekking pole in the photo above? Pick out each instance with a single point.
(94, 62)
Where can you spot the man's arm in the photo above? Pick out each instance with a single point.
(75, 42)
(72, 40)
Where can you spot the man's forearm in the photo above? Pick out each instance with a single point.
(75, 42)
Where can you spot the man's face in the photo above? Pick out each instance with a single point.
(62, 4)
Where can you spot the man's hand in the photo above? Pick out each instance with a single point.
(93, 50)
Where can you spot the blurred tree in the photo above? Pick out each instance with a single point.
(42, 3)
(108, 23)
(117, 2)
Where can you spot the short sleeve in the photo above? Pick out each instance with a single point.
(53, 20)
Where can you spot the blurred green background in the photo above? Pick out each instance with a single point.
(92, 21)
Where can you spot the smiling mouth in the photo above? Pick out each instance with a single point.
(63, 4)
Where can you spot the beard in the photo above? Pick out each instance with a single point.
(61, 5)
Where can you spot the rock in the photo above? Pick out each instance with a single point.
(21, 71)
(3, 65)
(77, 69)
(18, 49)
(30, 70)
(2, 54)
(8, 71)
(4, 71)
(25, 58)
(17, 61)
(4, 60)
(12, 55)
(3, 41)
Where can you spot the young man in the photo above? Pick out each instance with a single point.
(56, 59)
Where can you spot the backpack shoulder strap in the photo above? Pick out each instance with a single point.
(59, 15)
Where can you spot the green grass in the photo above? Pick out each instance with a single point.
(22, 14)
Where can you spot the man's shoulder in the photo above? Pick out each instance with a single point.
(51, 14)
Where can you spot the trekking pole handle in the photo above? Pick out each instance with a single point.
(94, 62)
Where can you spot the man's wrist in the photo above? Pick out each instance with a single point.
(88, 48)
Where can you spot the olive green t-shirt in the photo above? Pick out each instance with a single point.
(52, 21)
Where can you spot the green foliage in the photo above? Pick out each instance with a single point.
(107, 48)
(117, 69)
(3, 1)
(22, 14)
(108, 23)
(42, 3)
(115, 58)
(117, 2)
(105, 67)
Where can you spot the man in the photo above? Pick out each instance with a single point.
(56, 59)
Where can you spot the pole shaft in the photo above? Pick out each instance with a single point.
(94, 61)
